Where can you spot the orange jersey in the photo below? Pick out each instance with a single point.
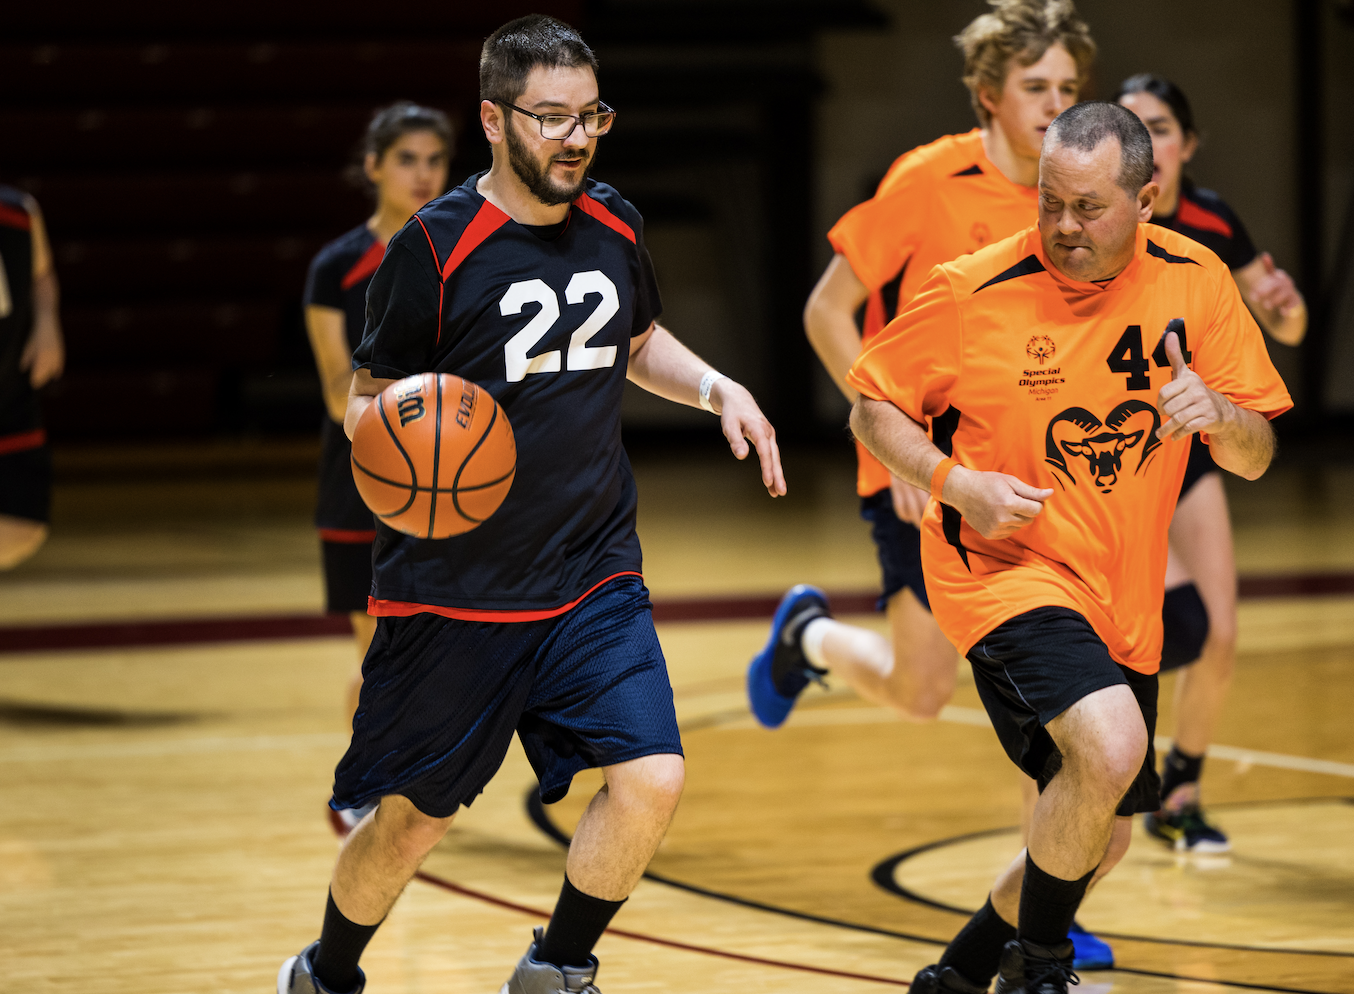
(1056, 382)
(936, 203)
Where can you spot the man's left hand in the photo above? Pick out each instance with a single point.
(743, 421)
(1186, 404)
(1275, 290)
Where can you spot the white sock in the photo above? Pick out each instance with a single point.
(811, 641)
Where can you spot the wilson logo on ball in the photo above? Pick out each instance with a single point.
(439, 476)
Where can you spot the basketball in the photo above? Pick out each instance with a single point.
(434, 456)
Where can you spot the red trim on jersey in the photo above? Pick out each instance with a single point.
(437, 265)
(488, 220)
(23, 441)
(1197, 217)
(595, 209)
(348, 536)
(14, 217)
(364, 266)
(403, 609)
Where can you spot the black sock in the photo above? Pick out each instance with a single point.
(975, 953)
(1048, 904)
(578, 922)
(341, 946)
(1178, 769)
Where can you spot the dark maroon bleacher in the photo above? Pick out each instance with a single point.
(190, 162)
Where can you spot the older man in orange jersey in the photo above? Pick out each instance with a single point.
(1024, 63)
(1083, 353)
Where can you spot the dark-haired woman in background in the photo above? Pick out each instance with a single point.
(1200, 608)
(406, 151)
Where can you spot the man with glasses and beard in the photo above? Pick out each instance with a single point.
(533, 281)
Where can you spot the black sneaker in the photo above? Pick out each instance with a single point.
(935, 979)
(1029, 968)
(1187, 830)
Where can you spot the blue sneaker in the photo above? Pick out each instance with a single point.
(1088, 952)
(779, 673)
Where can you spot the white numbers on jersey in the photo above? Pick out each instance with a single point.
(7, 302)
(581, 356)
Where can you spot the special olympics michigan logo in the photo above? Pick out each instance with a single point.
(1040, 347)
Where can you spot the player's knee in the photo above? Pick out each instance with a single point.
(1185, 627)
(1106, 753)
(19, 540)
(654, 782)
(407, 830)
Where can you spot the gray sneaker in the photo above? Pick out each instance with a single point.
(534, 977)
(298, 977)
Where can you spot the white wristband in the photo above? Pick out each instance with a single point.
(707, 384)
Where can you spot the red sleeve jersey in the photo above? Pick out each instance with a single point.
(936, 203)
(1056, 383)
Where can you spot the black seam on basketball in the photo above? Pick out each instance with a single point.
(413, 491)
(413, 473)
(456, 482)
(437, 455)
(484, 486)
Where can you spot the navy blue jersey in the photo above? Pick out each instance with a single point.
(541, 319)
(1203, 216)
(338, 278)
(18, 402)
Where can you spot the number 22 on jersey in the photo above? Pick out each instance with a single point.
(580, 356)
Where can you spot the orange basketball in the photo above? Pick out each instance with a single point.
(434, 456)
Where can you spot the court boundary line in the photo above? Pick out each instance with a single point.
(667, 610)
(541, 819)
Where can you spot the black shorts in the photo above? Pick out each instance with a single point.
(899, 546)
(1200, 463)
(347, 571)
(1034, 667)
(26, 483)
(441, 699)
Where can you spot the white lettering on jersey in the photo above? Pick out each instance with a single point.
(581, 356)
(515, 352)
(582, 284)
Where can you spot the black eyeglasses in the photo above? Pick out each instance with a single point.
(557, 127)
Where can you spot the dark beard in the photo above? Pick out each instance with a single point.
(536, 179)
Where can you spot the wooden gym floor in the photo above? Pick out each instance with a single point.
(164, 826)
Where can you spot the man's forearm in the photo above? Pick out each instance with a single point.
(1246, 446)
(667, 368)
(896, 440)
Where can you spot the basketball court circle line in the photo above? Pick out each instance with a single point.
(541, 818)
(885, 878)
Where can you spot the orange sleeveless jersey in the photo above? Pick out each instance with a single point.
(1056, 383)
(937, 202)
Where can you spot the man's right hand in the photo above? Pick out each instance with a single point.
(996, 505)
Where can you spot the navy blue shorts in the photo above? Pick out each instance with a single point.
(1034, 667)
(899, 546)
(441, 699)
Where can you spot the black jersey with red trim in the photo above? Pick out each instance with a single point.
(338, 278)
(1203, 216)
(542, 319)
(18, 402)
